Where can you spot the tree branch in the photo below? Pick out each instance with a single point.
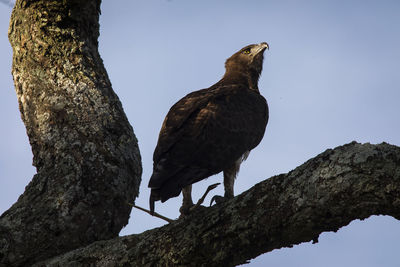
(350, 182)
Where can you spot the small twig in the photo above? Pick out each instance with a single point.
(201, 200)
(155, 213)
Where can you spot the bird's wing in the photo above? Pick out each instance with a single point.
(178, 119)
(205, 132)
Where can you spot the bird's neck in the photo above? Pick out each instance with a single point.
(249, 80)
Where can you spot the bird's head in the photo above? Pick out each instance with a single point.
(247, 61)
(248, 58)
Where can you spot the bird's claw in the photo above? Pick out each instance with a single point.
(201, 200)
(186, 209)
(218, 199)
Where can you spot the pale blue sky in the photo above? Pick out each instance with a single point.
(331, 76)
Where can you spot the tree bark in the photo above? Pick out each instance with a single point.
(84, 149)
(350, 182)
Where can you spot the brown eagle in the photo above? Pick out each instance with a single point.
(211, 130)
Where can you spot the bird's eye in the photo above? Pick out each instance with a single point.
(247, 51)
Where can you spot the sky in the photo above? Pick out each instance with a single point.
(331, 76)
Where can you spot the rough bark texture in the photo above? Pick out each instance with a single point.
(350, 182)
(85, 152)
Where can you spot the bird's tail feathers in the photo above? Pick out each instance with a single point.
(154, 196)
(151, 206)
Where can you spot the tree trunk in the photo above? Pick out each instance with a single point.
(84, 149)
(351, 182)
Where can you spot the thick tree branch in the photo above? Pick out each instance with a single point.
(86, 154)
(350, 182)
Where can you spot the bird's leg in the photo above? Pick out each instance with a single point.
(201, 200)
(188, 197)
(229, 180)
(187, 201)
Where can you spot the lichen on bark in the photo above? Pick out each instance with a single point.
(84, 149)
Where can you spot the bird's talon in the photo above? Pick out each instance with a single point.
(218, 199)
(189, 207)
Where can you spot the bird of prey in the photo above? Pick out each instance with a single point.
(211, 130)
